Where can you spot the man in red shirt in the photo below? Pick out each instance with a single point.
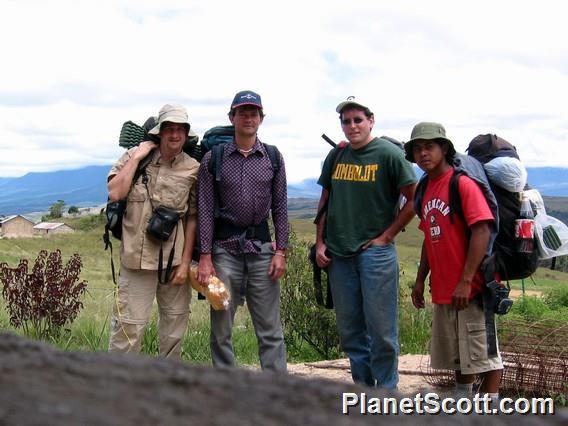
(452, 253)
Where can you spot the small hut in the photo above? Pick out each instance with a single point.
(16, 226)
(50, 228)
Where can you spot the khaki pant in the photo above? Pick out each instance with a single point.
(132, 308)
(247, 278)
(459, 340)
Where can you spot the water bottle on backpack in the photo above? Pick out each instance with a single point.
(524, 227)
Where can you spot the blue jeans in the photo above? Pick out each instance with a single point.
(365, 295)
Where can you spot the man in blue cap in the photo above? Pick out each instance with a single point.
(234, 236)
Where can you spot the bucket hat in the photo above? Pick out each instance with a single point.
(172, 113)
(427, 130)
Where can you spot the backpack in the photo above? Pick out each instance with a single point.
(511, 265)
(131, 135)
(216, 135)
(505, 205)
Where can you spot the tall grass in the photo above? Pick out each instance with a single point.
(90, 331)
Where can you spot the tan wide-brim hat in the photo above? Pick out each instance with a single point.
(172, 113)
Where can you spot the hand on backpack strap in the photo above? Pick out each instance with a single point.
(144, 149)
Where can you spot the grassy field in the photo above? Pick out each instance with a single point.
(90, 330)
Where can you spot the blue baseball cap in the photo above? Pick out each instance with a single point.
(246, 97)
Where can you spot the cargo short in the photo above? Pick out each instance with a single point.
(459, 340)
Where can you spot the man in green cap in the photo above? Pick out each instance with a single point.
(452, 252)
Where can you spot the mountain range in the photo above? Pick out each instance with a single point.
(87, 187)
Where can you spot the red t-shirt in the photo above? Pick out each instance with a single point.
(446, 242)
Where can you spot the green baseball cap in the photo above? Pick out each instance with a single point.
(427, 130)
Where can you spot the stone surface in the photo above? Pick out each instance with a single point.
(411, 380)
(42, 386)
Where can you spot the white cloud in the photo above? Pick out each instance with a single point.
(74, 71)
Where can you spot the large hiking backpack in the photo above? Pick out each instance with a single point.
(217, 135)
(131, 135)
(511, 264)
(505, 205)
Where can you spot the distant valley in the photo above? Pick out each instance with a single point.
(87, 187)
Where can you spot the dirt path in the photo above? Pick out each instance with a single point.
(411, 378)
(515, 294)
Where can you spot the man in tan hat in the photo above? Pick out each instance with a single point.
(168, 182)
(355, 241)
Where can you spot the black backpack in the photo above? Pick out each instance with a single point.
(505, 205)
(511, 264)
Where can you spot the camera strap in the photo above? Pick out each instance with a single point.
(168, 271)
(163, 276)
(108, 244)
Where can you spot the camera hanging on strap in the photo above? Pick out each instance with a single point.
(161, 226)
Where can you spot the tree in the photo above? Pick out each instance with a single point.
(73, 210)
(56, 209)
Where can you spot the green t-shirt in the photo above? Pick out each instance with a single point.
(364, 191)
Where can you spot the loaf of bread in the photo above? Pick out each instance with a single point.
(215, 291)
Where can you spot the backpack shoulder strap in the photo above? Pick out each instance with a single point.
(216, 160)
(336, 154)
(455, 197)
(214, 167)
(419, 194)
(141, 169)
(274, 156)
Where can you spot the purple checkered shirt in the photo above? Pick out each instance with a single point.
(247, 193)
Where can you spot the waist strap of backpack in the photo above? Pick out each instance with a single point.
(488, 271)
(225, 229)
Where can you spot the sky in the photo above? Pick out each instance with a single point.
(74, 71)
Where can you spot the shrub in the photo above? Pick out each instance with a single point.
(304, 321)
(557, 298)
(43, 301)
(88, 223)
(530, 308)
